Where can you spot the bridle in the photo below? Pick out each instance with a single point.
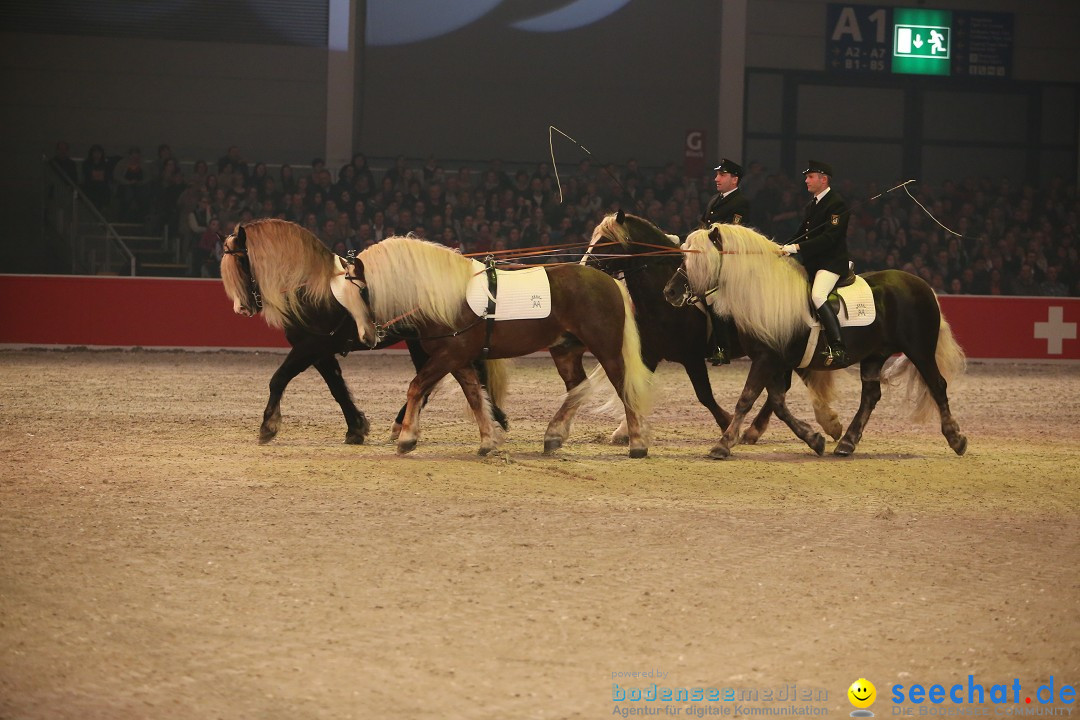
(241, 255)
(689, 297)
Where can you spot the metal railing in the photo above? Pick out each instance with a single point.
(68, 212)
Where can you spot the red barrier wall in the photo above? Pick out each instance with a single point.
(64, 310)
(122, 311)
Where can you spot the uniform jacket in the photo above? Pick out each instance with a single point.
(822, 237)
(732, 209)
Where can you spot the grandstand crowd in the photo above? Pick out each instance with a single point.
(984, 236)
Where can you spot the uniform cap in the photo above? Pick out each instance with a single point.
(730, 166)
(818, 167)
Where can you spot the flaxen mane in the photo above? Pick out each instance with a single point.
(765, 293)
(292, 267)
(405, 274)
(611, 229)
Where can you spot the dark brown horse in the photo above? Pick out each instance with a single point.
(767, 296)
(285, 273)
(633, 249)
(425, 285)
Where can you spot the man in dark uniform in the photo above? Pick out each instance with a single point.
(822, 247)
(728, 206)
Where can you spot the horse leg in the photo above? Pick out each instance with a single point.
(755, 383)
(426, 379)
(419, 357)
(778, 387)
(355, 420)
(699, 379)
(761, 422)
(469, 381)
(568, 362)
(936, 384)
(870, 372)
(294, 363)
(621, 436)
(615, 369)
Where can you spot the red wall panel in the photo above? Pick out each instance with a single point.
(164, 312)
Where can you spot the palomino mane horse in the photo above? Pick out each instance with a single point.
(644, 257)
(281, 270)
(425, 284)
(767, 296)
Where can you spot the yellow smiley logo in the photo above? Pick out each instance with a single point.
(862, 693)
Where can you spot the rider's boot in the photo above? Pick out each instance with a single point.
(837, 353)
(718, 341)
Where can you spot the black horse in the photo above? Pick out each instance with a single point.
(633, 249)
(317, 327)
(768, 297)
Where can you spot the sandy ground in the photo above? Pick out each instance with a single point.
(156, 562)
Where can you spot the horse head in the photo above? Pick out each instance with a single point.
(698, 274)
(351, 290)
(627, 236)
(237, 276)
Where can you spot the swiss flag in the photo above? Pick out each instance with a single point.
(1015, 327)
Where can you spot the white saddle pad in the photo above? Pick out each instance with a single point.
(519, 294)
(857, 308)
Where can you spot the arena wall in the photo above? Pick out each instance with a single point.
(74, 311)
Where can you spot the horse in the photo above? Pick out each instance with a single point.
(282, 271)
(767, 296)
(645, 257)
(426, 285)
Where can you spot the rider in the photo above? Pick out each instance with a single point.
(821, 243)
(730, 206)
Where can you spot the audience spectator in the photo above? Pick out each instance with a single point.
(132, 198)
(202, 255)
(62, 159)
(96, 178)
(1007, 240)
(1051, 286)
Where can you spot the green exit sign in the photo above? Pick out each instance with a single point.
(921, 41)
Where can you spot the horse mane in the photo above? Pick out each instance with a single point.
(406, 274)
(291, 266)
(765, 294)
(624, 232)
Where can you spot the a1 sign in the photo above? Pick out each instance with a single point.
(858, 39)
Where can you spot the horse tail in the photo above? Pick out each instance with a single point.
(637, 379)
(821, 385)
(498, 377)
(951, 364)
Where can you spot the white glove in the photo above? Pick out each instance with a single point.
(789, 249)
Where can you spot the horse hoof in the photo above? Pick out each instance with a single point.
(354, 437)
(845, 448)
(720, 452)
(639, 452)
(406, 447)
(266, 436)
(817, 444)
(485, 450)
(960, 446)
(552, 445)
(750, 437)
